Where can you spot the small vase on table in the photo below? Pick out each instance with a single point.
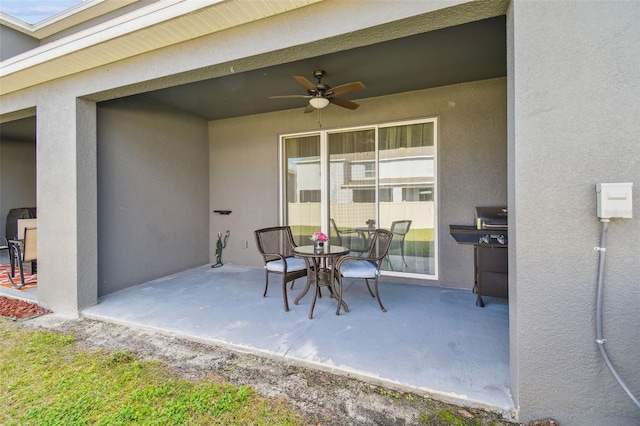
(319, 240)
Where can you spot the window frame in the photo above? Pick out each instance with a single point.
(324, 176)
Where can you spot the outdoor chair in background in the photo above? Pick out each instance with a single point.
(367, 267)
(26, 252)
(12, 220)
(16, 242)
(276, 246)
(353, 239)
(22, 224)
(5, 246)
(399, 229)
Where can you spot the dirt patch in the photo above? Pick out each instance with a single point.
(321, 398)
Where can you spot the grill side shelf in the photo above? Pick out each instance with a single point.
(469, 234)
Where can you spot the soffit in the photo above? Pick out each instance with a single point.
(146, 29)
(463, 53)
(459, 54)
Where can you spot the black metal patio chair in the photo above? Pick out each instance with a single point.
(367, 267)
(276, 245)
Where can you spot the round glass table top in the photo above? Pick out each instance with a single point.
(328, 250)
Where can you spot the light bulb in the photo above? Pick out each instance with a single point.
(319, 102)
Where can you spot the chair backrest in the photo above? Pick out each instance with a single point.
(25, 223)
(275, 240)
(12, 220)
(400, 228)
(380, 242)
(335, 229)
(30, 251)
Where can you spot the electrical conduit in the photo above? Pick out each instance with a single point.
(600, 340)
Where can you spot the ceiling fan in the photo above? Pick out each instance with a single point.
(321, 95)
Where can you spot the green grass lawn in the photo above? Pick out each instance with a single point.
(418, 242)
(45, 379)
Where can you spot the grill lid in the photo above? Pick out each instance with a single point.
(491, 217)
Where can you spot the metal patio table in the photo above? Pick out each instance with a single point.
(320, 272)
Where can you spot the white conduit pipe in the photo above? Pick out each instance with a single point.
(600, 340)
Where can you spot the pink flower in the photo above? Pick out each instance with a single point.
(319, 236)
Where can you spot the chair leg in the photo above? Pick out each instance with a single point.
(284, 294)
(338, 277)
(368, 287)
(266, 282)
(21, 284)
(12, 260)
(388, 258)
(18, 259)
(378, 297)
(402, 253)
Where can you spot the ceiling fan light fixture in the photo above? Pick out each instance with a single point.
(319, 102)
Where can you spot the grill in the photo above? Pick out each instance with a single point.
(489, 237)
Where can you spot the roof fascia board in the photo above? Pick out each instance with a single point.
(137, 20)
(12, 70)
(85, 11)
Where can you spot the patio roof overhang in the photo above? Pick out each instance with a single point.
(146, 29)
(458, 41)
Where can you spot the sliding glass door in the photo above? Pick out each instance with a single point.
(348, 182)
(406, 177)
(302, 179)
(352, 187)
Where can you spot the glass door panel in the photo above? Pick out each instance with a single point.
(350, 182)
(406, 170)
(303, 185)
(352, 188)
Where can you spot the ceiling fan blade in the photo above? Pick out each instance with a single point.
(309, 108)
(290, 96)
(306, 83)
(344, 103)
(346, 88)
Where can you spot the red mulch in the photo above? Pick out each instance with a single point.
(20, 309)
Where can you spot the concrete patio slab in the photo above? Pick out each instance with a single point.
(431, 341)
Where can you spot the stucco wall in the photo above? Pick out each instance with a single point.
(17, 177)
(153, 193)
(472, 164)
(575, 123)
(14, 42)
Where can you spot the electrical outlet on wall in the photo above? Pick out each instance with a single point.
(244, 244)
(614, 200)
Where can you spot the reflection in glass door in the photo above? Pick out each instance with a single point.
(350, 182)
(406, 167)
(352, 186)
(302, 186)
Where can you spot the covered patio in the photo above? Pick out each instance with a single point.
(431, 341)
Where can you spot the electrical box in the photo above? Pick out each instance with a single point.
(614, 200)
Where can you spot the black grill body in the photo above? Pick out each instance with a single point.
(489, 237)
